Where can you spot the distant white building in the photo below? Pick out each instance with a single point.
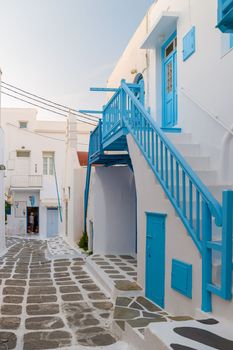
(35, 159)
(39, 169)
(2, 196)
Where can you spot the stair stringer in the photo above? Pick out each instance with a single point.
(179, 245)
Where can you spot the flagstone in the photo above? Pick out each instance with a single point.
(42, 309)
(45, 322)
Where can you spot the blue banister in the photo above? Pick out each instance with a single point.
(178, 180)
(227, 238)
(212, 202)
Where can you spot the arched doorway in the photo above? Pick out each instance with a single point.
(139, 79)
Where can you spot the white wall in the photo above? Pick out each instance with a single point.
(206, 77)
(38, 137)
(2, 195)
(74, 191)
(114, 211)
(179, 245)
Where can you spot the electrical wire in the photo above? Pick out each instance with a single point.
(47, 104)
(47, 109)
(44, 99)
(47, 137)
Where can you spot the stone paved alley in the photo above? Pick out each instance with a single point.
(50, 303)
(50, 300)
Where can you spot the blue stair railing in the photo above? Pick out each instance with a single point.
(191, 199)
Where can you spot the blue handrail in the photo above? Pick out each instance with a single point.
(194, 203)
(206, 194)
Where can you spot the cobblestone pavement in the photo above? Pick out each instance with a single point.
(47, 304)
(116, 267)
(139, 312)
(57, 247)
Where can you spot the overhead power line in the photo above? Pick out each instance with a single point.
(47, 104)
(50, 101)
(47, 109)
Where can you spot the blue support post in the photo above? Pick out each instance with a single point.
(172, 175)
(206, 258)
(89, 111)
(227, 235)
(122, 106)
(96, 89)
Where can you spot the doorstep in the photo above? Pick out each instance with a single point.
(117, 274)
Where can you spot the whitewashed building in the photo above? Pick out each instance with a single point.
(35, 156)
(43, 174)
(166, 137)
(2, 195)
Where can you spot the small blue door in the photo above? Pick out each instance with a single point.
(169, 82)
(52, 222)
(155, 258)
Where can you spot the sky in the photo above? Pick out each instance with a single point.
(58, 49)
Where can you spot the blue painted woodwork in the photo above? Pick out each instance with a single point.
(52, 222)
(155, 257)
(181, 277)
(90, 111)
(171, 130)
(227, 237)
(225, 16)
(231, 40)
(169, 84)
(124, 113)
(189, 45)
(98, 89)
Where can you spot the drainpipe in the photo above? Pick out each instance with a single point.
(226, 164)
(57, 189)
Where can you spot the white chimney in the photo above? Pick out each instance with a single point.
(71, 134)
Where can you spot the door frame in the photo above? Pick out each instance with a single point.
(49, 209)
(163, 62)
(162, 217)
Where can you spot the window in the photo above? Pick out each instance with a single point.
(170, 48)
(48, 163)
(23, 125)
(22, 154)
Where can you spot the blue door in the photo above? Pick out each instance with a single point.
(169, 82)
(52, 222)
(155, 257)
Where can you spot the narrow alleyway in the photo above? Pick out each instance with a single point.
(50, 303)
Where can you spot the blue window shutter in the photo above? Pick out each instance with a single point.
(225, 16)
(189, 45)
(181, 278)
(231, 40)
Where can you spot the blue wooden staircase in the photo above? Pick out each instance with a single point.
(124, 114)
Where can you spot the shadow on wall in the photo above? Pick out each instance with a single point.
(114, 211)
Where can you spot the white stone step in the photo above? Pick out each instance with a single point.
(209, 177)
(217, 190)
(198, 163)
(195, 162)
(130, 335)
(159, 336)
(177, 138)
(189, 149)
